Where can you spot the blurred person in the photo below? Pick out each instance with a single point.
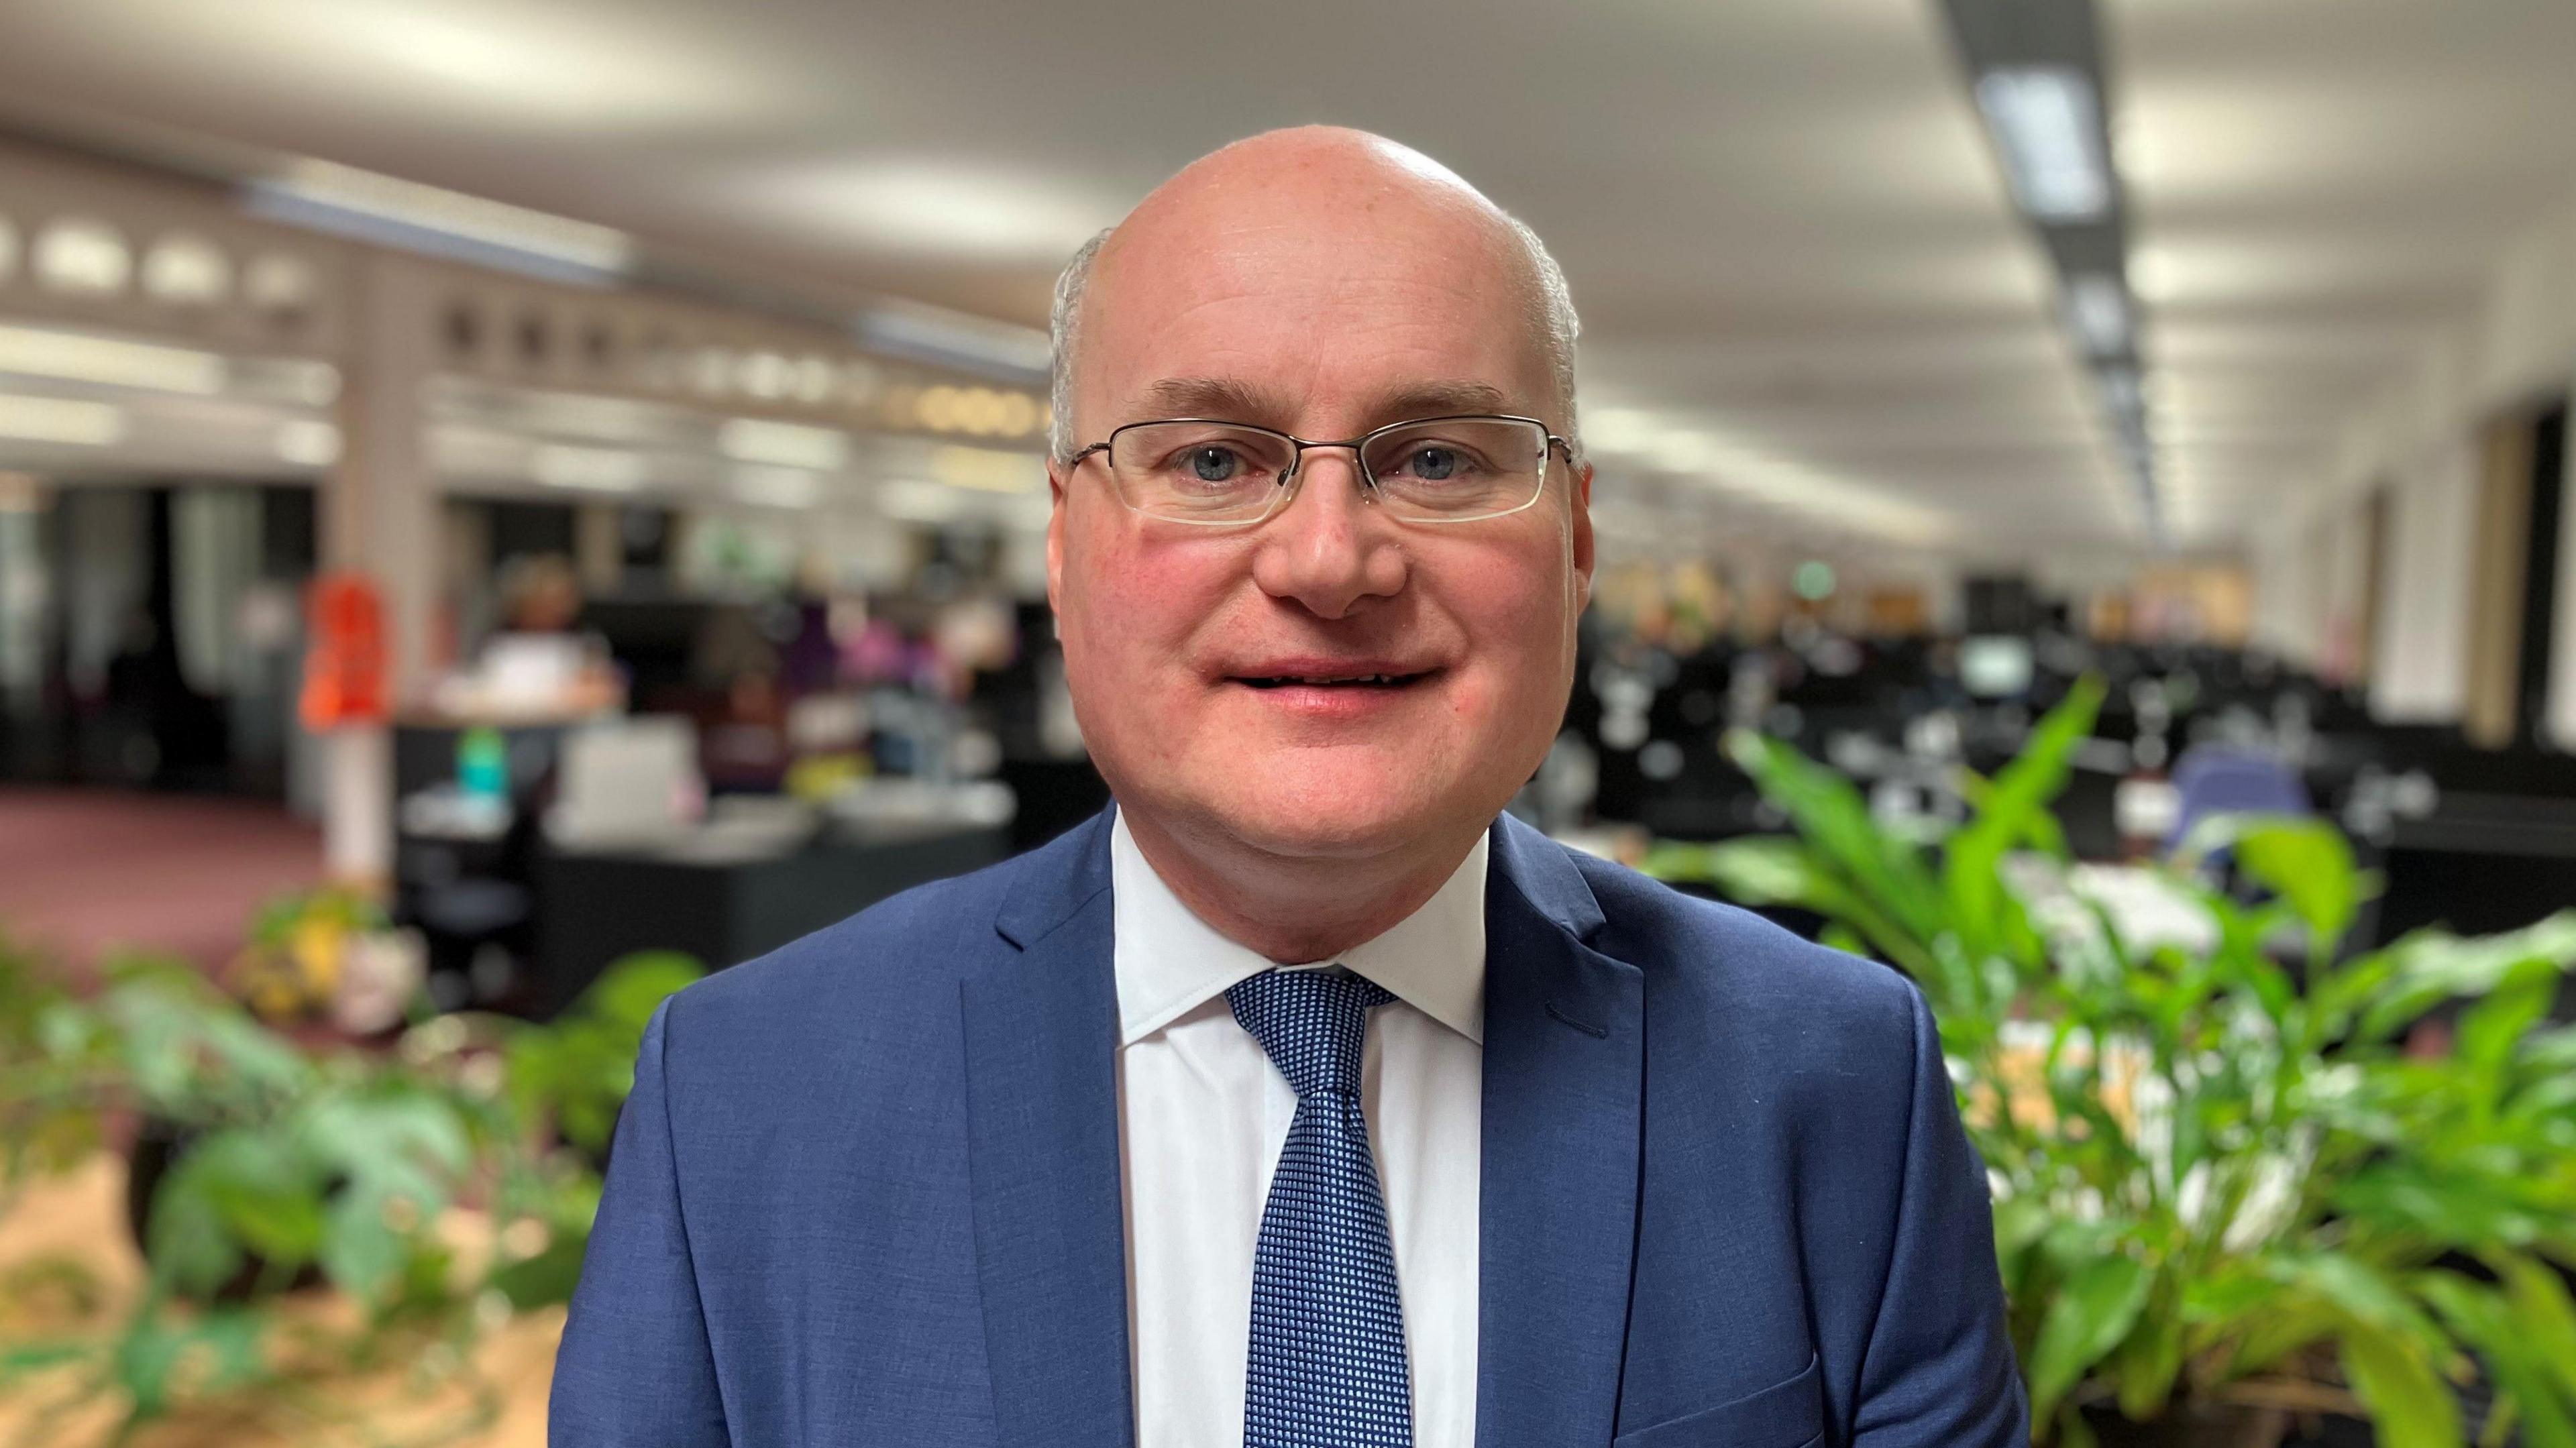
(539, 662)
(744, 746)
(1302, 1097)
(540, 594)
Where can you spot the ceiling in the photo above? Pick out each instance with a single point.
(2320, 190)
(1809, 307)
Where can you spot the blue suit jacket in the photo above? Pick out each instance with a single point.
(866, 1191)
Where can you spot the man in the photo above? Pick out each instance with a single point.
(1300, 1100)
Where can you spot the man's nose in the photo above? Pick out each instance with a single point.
(1331, 546)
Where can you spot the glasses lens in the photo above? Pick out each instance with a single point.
(1202, 472)
(1454, 469)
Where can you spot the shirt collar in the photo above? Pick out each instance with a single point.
(1169, 962)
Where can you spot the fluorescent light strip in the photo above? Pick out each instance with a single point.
(912, 500)
(349, 202)
(988, 470)
(61, 420)
(783, 444)
(308, 442)
(2048, 125)
(2120, 389)
(1776, 482)
(2098, 310)
(589, 469)
(77, 357)
(955, 339)
(777, 487)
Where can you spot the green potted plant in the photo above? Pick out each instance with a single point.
(282, 1169)
(569, 1078)
(42, 1131)
(289, 1170)
(575, 1072)
(2227, 1196)
(329, 953)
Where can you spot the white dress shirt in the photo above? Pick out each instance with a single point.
(1203, 1115)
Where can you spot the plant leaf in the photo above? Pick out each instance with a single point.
(2433, 965)
(361, 1251)
(2543, 1313)
(2362, 1293)
(634, 986)
(2409, 1405)
(2094, 1309)
(2490, 1030)
(1970, 868)
(2308, 863)
(2149, 1361)
(2523, 1382)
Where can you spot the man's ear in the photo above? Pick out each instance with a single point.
(1582, 520)
(1056, 498)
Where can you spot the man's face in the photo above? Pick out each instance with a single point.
(1322, 318)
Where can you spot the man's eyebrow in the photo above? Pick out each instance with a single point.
(1232, 400)
(1223, 398)
(1443, 399)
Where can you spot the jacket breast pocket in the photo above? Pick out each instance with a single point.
(1788, 1414)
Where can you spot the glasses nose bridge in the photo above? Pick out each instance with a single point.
(1359, 464)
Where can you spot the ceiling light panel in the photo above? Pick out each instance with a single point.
(394, 212)
(1689, 450)
(777, 487)
(578, 69)
(589, 469)
(308, 442)
(929, 207)
(955, 339)
(988, 470)
(2036, 72)
(187, 271)
(81, 255)
(61, 420)
(2047, 123)
(2097, 308)
(783, 444)
(79, 357)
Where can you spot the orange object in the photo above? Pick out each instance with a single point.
(344, 667)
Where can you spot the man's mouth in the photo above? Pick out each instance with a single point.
(1333, 681)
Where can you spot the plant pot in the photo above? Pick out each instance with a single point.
(2226, 1425)
(2195, 1426)
(2332, 1431)
(158, 1145)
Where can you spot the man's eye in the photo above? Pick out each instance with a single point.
(1212, 464)
(1434, 464)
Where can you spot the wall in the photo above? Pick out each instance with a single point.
(2289, 599)
(2562, 661)
(2418, 436)
(2420, 674)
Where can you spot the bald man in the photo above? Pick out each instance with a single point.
(1303, 1097)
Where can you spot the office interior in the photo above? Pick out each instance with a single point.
(570, 479)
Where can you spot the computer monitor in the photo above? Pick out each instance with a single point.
(1995, 666)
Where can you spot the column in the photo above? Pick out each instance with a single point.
(380, 516)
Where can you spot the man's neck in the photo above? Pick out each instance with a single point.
(1294, 909)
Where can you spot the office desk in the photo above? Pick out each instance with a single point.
(2480, 863)
(595, 905)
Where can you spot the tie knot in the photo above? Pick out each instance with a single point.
(1311, 1022)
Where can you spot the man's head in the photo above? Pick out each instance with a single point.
(1319, 283)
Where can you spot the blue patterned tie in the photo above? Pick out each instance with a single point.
(1326, 1367)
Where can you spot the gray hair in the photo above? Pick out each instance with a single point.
(1552, 312)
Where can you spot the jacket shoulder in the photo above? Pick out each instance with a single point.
(907, 950)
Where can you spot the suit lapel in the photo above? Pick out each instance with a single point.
(1563, 1119)
(1041, 1036)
